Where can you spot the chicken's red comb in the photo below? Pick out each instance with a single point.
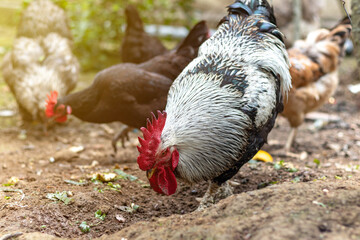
(50, 104)
(151, 141)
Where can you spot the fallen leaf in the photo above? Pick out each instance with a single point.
(100, 215)
(80, 183)
(104, 177)
(84, 227)
(124, 175)
(263, 156)
(60, 196)
(11, 182)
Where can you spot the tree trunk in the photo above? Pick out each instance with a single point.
(356, 28)
(297, 6)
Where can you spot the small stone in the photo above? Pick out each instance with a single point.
(303, 156)
(335, 147)
(194, 191)
(77, 149)
(120, 218)
(340, 135)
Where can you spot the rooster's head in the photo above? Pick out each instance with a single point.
(159, 162)
(55, 111)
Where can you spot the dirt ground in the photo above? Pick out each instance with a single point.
(313, 194)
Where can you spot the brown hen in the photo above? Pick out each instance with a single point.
(314, 64)
(129, 92)
(138, 46)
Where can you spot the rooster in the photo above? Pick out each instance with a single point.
(138, 46)
(221, 107)
(129, 92)
(41, 59)
(314, 71)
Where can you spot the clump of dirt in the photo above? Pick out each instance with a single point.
(288, 211)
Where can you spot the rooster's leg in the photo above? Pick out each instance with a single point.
(290, 139)
(123, 134)
(213, 193)
(208, 198)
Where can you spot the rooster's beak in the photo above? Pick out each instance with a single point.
(150, 173)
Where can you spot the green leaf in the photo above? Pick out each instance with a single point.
(292, 169)
(117, 186)
(319, 204)
(80, 183)
(100, 215)
(84, 227)
(277, 166)
(60, 196)
(133, 208)
(296, 179)
(124, 175)
(317, 162)
(99, 190)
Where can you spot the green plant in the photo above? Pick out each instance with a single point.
(97, 25)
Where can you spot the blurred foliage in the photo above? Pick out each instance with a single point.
(97, 25)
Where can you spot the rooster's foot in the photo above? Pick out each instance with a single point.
(224, 191)
(214, 194)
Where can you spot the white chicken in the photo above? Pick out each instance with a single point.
(41, 59)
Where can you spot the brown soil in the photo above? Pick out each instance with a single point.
(307, 202)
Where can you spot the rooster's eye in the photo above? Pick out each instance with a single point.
(163, 153)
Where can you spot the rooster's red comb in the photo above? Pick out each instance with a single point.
(50, 104)
(151, 141)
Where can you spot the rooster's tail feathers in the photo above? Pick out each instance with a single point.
(245, 8)
(252, 7)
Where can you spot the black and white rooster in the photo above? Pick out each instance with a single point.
(222, 106)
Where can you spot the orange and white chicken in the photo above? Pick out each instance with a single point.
(314, 71)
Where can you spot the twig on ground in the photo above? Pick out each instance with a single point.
(16, 203)
(11, 235)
